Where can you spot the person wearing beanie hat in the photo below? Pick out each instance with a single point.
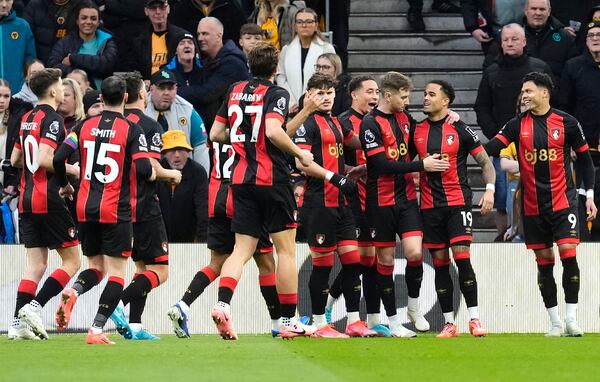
(92, 103)
(184, 207)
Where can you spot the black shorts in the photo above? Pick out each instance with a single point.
(106, 239)
(363, 228)
(221, 238)
(262, 207)
(150, 243)
(447, 226)
(327, 228)
(386, 222)
(561, 227)
(52, 230)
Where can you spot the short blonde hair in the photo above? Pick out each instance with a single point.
(77, 95)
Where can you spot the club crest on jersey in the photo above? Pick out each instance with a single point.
(143, 141)
(450, 138)
(320, 238)
(54, 127)
(369, 136)
(281, 103)
(165, 247)
(373, 233)
(182, 121)
(406, 128)
(556, 133)
(156, 139)
(71, 232)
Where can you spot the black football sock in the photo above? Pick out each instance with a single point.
(336, 288)
(570, 280)
(443, 285)
(369, 287)
(140, 286)
(287, 304)
(109, 299)
(547, 284)
(87, 280)
(201, 280)
(268, 289)
(467, 281)
(136, 309)
(226, 287)
(351, 286)
(53, 285)
(413, 277)
(318, 286)
(386, 287)
(25, 293)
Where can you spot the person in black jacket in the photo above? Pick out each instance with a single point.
(50, 21)
(477, 17)
(92, 50)
(185, 206)
(224, 64)
(155, 46)
(187, 14)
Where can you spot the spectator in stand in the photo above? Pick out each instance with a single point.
(415, 12)
(186, 64)
(547, 38)
(11, 111)
(126, 20)
(276, 19)
(250, 36)
(224, 64)
(81, 77)
(92, 103)
(593, 15)
(497, 96)
(188, 13)
(184, 207)
(298, 58)
(580, 97)
(155, 46)
(331, 64)
(339, 20)
(484, 19)
(31, 67)
(573, 14)
(90, 49)
(16, 45)
(71, 109)
(50, 21)
(173, 112)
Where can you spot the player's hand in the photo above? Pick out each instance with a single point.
(487, 202)
(481, 36)
(452, 117)
(312, 102)
(305, 158)
(175, 176)
(433, 164)
(294, 108)
(76, 170)
(590, 209)
(344, 184)
(66, 192)
(416, 178)
(357, 173)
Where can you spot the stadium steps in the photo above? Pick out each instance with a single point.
(381, 40)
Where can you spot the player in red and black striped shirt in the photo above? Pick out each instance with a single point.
(391, 197)
(150, 250)
(446, 200)
(255, 111)
(325, 216)
(108, 145)
(544, 138)
(365, 95)
(44, 220)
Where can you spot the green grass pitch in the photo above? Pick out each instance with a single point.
(261, 358)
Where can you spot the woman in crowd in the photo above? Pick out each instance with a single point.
(91, 49)
(81, 77)
(71, 108)
(331, 64)
(298, 58)
(276, 18)
(11, 111)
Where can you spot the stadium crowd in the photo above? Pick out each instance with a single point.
(190, 57)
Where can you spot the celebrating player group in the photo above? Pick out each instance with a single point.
(360, 195)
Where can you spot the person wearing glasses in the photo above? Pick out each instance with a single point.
(299, 57)
(580, 97)
(331, 64)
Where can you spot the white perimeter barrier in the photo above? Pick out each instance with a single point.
(509, 299)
